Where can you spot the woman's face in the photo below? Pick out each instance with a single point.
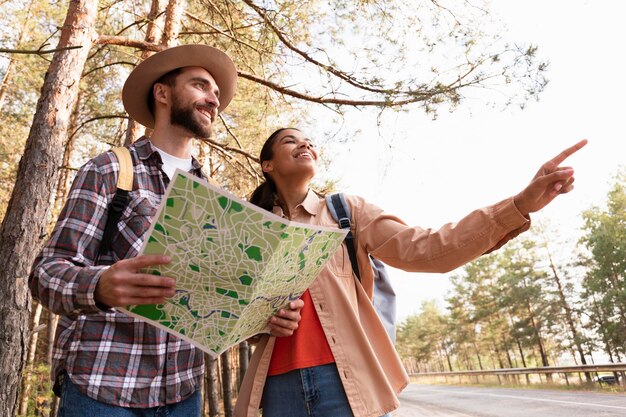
(293, 154)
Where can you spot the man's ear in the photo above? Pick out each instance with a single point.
(267, 166)
(161, 93)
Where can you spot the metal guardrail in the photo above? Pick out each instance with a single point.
(607, 367)
(548, 371)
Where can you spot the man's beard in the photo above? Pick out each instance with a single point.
(185, 117)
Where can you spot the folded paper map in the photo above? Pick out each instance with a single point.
(235, 264)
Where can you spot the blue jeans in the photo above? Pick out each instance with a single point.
(308, 392)
(76, 404)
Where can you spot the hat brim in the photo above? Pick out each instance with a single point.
(138, 85)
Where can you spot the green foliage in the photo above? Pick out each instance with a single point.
(604, 284)
(421, 337)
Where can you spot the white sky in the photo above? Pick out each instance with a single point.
(437, 171)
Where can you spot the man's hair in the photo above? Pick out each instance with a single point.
(168, 79)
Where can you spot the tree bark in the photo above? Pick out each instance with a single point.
(53, 321)
(211, 386)
(227, 383)
(63, 182)
(244, 355)
(23, 228)
(173, 16)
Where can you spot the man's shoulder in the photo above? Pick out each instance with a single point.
(107, 160)
(142, 148)
(101, 164)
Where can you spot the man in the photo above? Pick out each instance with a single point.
(106, 363)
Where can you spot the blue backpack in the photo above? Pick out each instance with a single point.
(384, 296)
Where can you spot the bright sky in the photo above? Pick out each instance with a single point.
(438, 171)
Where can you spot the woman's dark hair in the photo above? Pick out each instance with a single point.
(263, 195)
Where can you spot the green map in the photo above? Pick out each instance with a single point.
(235, 264)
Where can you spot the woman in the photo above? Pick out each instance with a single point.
(340, 361)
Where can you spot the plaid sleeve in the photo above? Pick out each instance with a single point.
(64, 275)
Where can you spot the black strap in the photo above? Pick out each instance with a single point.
(115, 212)
(344, 222)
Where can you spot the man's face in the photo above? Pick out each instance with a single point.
(195, 100)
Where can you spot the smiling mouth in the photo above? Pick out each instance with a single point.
(206, 113)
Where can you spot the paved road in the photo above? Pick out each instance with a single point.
(457, 401)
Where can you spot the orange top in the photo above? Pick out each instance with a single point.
(306, 347)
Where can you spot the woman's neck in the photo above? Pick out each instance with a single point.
(290, 197)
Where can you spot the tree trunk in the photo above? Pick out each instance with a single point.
(53, 320)
(153, 35)
(448, 359)
(27, 383)
(173, 16)
(569, 314)
(538, 338)
(211, 387)
(63, 182)
(227, 383)
(23, 228)
(477, 350)
(244, 355)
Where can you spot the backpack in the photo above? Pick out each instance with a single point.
(384, 299)
(120, 199)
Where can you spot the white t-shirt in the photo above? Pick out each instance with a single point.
(170, 163)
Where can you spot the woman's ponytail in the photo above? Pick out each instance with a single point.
(263, 195)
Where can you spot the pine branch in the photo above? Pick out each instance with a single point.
(96, 118)
(343, 102)
(329, 68)
(217, 30)
(249, 157)
(123, 41)
(38, 51)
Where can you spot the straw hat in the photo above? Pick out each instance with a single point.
(138, 85)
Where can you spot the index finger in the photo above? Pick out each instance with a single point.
(556, 161)
(143, 261)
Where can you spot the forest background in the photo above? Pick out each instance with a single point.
(428, 109)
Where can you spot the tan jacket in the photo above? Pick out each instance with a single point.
(368, 364)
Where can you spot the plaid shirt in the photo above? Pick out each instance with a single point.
(110, 356)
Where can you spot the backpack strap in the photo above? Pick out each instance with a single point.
(120, 199)
(125, 176)
(340, 211)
